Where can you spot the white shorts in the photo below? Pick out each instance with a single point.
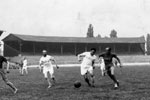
(85, 69)
(47, 70)
(24, 67)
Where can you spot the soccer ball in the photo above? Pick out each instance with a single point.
(77, 84)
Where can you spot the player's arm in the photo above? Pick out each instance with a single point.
(40, 64)
(101, 55)
(53, 59)
(118, 60)
(81, 55)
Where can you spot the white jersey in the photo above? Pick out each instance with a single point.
(88, 58)
(46, 61)
(24, 62)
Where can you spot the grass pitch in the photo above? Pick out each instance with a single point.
(134, 85)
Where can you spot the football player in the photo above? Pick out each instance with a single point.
(3, 74)
(24, 66)
(46, 63)
(87, 65)
(109, 66)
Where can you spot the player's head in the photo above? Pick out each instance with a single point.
(108, 50)
(93, 51)
(44, 53)
(24, 58)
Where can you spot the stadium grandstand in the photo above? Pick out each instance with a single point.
(15, 44)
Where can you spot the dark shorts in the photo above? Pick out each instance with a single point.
(108, 66)
(110, 69)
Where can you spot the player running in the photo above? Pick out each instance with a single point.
(46, 63)
(3, 74)
(24, 66)
(87, 65)
(109, 66)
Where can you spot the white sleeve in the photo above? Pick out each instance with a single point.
(82, 54)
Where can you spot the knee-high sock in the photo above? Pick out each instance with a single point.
(112, 76)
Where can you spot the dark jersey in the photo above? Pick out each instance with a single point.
(2, 59)
(108, 58)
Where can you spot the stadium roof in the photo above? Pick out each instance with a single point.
(15, 37)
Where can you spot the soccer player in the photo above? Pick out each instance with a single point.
(20, 64)
(109, 66)
(87, 65)
(46, 62)
(3, 74)
(24, 66)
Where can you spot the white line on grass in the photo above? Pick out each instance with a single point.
(78, 65)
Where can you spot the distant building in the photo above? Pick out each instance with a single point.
(15, 44)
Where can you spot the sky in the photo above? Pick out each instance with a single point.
(71, 18)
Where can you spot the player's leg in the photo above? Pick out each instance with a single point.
(7, 81)
(102, 67)
(110, 73)
(90, 71)
(51, 71)
(22, 72)
(49, 80)
(20, 69)
(84, 74)
(87, 79)
(26, 69)
(103, 70)
(11, 85)
(46, 72)
(116, 81)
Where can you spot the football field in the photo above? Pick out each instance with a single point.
(134, 85)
